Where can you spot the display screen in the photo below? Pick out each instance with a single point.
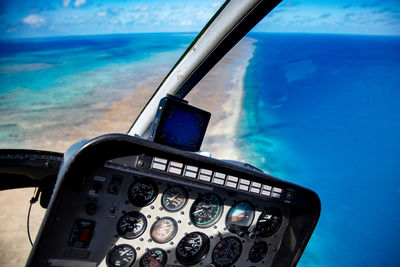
(181, 126)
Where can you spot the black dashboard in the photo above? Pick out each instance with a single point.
(124, 201)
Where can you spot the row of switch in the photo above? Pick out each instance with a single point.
(218, 178)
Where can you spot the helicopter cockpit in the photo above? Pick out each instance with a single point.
(126, 200)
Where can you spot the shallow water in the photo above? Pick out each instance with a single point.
(70, 81)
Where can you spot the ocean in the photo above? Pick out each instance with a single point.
(69, 81)
(321, 111)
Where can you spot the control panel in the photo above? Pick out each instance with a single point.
(153, 208)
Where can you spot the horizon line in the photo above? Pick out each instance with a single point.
(183, 32)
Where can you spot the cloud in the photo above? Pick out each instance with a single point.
(79, 3)
(302, 20)
(114, 10)
(65, 3)
(349, 17)
(33, 20)
(324, 16)
(141, 8)
(102, 14)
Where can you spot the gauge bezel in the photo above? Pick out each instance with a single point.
(132, 214)
(236, 228)
(167, 240)
(203, 250)
(235, 259)
(263, 234)
(215, 219)
(109, 264)
(144, 181)
(147, 252)
(163, 198)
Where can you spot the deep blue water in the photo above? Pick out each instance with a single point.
(323, 111)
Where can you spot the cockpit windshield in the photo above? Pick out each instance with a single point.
(310, 95)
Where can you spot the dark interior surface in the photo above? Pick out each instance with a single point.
(125, 201)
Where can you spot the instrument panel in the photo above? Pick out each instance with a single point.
(158, 222)
(157, 209)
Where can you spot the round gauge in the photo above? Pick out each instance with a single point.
(131, 225)
(121, 256)
(174, 198)
(142, 192)
(240, 216)
(258, 251)
(227, 252)
(192, 248)
(155, 257)
(164, 230)
(206, 210)
(269, 222)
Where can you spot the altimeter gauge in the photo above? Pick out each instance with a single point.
(192, 248)
(206, 210)
(121, 256)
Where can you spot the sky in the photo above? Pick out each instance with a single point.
(39, 18)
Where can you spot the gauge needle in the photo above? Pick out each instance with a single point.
(123, 253)
(172, 198)
(197, 211)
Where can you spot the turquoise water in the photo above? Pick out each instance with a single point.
(323, 111)
(48, 79)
